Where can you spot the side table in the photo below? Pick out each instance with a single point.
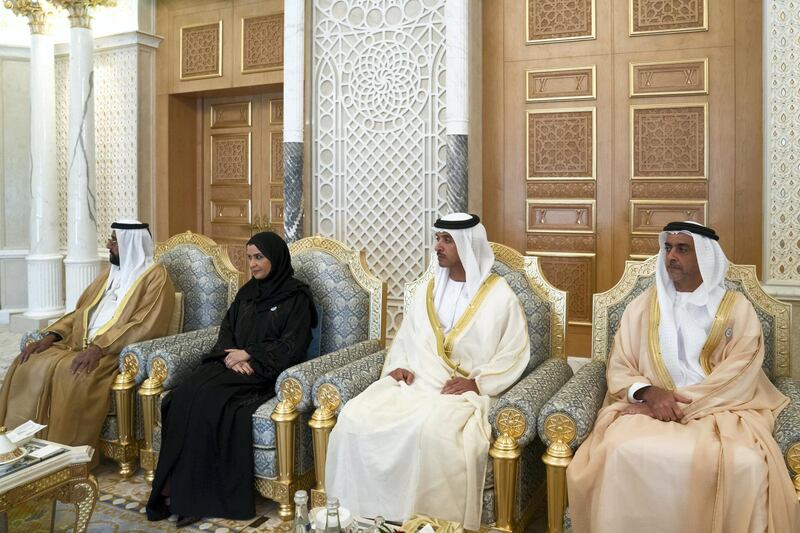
(64, 477)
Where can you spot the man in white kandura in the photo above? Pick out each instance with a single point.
(417, 440)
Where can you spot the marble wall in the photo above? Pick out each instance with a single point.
(15, 171)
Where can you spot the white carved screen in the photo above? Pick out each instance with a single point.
(378, 134)
(116, 137)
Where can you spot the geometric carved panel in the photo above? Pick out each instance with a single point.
(559, 20)
(649, 217)
(668, 141)
(276, 156)
(574, 274)
(561, 216)
(262, 43)
(644, 246)
(669, 77)
(561, 143)
(667, 16)
(233, 115)
(561, 84)
(230, 211)
(201, 51)
(230, 159)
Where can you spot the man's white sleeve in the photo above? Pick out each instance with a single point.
(633, 389)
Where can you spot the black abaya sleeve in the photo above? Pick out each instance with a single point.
(273, 356)
(226, 338)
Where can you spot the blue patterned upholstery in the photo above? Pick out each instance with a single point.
(345, 304)
(206, 293)
(182, 353)
(582, 397)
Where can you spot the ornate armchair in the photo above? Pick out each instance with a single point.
(515, 476)
(201, 270)
(567, 419)
(352, 303)
(206, 282)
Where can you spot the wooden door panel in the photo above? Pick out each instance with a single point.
(668, 99)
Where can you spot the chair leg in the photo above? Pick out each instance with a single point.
(127, 447)
(285, 419)
(321, 423)
(505, 455)
(149, 392)
(560, 430)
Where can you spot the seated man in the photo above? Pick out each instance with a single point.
(684, 442)
(64, 379)
(417, 440)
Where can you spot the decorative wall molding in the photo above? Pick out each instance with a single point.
(560, 216)
(662, 78)
(689, 190)
(379, 146)
(573, 242)
(15, 52)
(781, 143)
(648, 217)
(547, 85)
(230, 158)
(564, 189)
(648, 17)
(669, 141)
(559, 20)
(262, 43)
(561, 144)
(201, 51)
(574, 273)
(232, 115)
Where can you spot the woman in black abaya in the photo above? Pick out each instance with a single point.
(205, 467)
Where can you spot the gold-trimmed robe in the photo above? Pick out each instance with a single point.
(401, 449)
(718, 470)
(74, 406)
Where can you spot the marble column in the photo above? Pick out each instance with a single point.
(456, 16)
(293, 69)
(82, 263)
(44, 262)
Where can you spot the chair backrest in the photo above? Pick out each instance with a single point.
(203, 272)
(545, 306)
(352, 299)
(774, 315)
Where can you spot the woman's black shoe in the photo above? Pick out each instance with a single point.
(184, 521)
(159, 510)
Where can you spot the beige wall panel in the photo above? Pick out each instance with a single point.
(515, 49)
(720, 31)
(544, 85)
(561, 144)
(258, 43)
(672, 189)
(669, 141)
(649, 216)
(557, 20)
(564, 242)
(682, 77)
(659, 17)
(203, 53)
(574, 274)
(232, 115)
(561, 189)
(493, 214)
(560, 216)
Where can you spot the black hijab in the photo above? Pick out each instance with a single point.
(279, 283)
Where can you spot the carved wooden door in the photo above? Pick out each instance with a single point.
(242, 170)
(602, 121)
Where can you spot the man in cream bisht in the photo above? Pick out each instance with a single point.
(684, 441)
(417, 440)
(64, 379)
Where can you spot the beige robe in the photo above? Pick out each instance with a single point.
(717, 470)
(401, 449)
(74, 406)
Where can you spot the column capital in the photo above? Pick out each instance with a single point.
(78, 10)
(35, 11)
